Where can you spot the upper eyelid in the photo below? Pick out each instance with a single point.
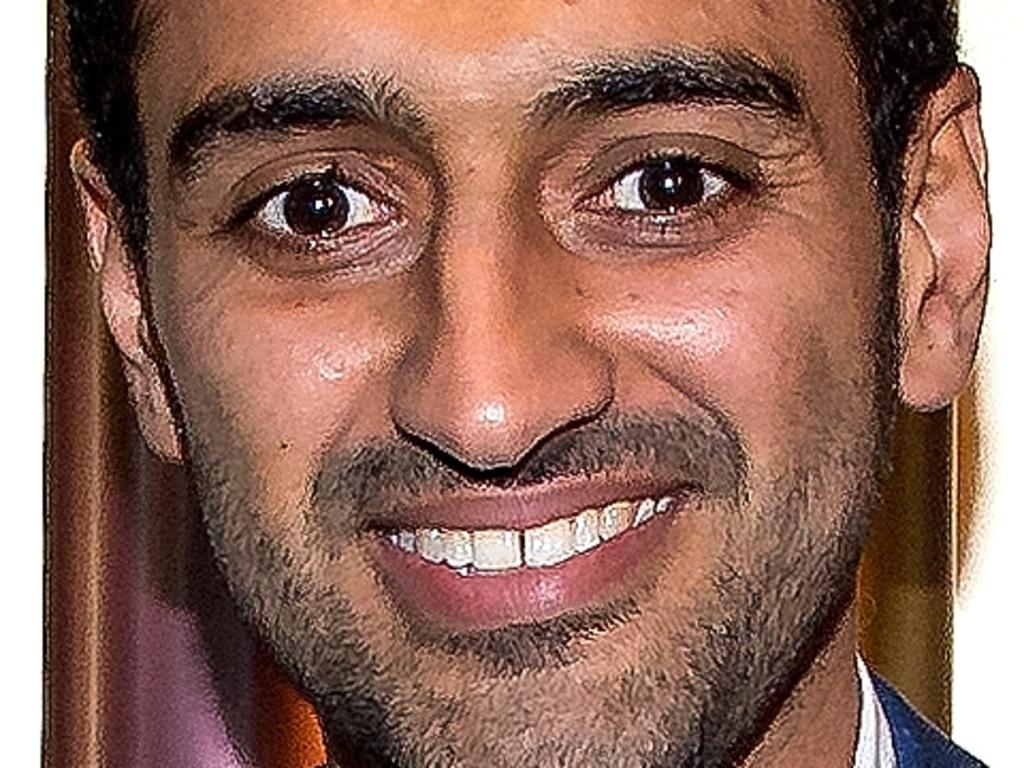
(380, 175)
(735, 178)
(697, 147)
(248, 208)
(602, 158)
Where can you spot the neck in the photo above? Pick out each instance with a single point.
(818, 724)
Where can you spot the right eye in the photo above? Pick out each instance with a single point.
(667, 186)
(319, 207)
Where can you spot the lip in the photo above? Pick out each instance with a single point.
(620, 568)
(524, 508)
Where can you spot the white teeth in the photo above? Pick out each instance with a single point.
(458, 548)
(546, 545)
(614, 519)
(549, 544)
(585, 530)
(497, 550)
(407, 541)
(430, 544)
(644, 512)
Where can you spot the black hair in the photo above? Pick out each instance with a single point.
(903, 51)
(103, 38)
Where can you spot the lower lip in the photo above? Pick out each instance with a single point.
(616, 568)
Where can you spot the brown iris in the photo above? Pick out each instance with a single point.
(316, 206)
(671, 184)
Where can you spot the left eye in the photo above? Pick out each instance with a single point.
(667, 185)
(318, 206)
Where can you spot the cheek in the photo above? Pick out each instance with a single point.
(774, 336)
(276, 377)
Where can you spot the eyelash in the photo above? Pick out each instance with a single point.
(250, 211)
(730, 180)
(374, 244)
(718, 202)
(613, 224)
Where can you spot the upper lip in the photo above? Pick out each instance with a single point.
(526, 507)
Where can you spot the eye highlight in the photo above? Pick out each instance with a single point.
(345, 215)
(667, 186)
(318, 206)
(642, 197)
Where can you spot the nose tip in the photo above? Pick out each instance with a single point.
(486, 403)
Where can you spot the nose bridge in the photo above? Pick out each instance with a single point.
(501, 367)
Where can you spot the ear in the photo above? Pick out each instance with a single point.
(945, 234)
(121, 301)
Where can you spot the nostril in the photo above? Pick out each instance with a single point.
(481, 405)
(473, 466)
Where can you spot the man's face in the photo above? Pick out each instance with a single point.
(477, 268)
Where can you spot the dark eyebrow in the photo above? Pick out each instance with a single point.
(286, 104)
(671, 77)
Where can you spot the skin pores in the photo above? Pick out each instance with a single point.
(509, 313)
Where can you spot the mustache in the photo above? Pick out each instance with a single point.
(702, 450)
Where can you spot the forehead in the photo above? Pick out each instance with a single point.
(463, 52)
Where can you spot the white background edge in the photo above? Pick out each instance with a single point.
(22, 202)
(988, 682)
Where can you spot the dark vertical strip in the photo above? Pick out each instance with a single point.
(969, 478)
(78, 372)
(906, 589)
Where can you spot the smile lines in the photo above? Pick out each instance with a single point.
(501, 549)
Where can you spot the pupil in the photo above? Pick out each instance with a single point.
(316, 206)
(671, 184)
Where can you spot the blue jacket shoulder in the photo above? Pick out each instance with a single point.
(918, 743)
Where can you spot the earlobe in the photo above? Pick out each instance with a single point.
(121, 301)
(944, 244)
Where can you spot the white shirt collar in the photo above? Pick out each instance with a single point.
(874, 739)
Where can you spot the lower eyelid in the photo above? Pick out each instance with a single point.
(364, 251)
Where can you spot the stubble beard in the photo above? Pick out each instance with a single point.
(716, 674)
(726, 668)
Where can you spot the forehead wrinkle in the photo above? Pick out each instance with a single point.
(514, 75)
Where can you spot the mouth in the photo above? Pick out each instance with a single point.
(489, 561)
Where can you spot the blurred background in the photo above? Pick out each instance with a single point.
(147, 664)
(988, 667)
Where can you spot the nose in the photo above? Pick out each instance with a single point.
(499, 367)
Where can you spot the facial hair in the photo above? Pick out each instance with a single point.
(770, 602)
